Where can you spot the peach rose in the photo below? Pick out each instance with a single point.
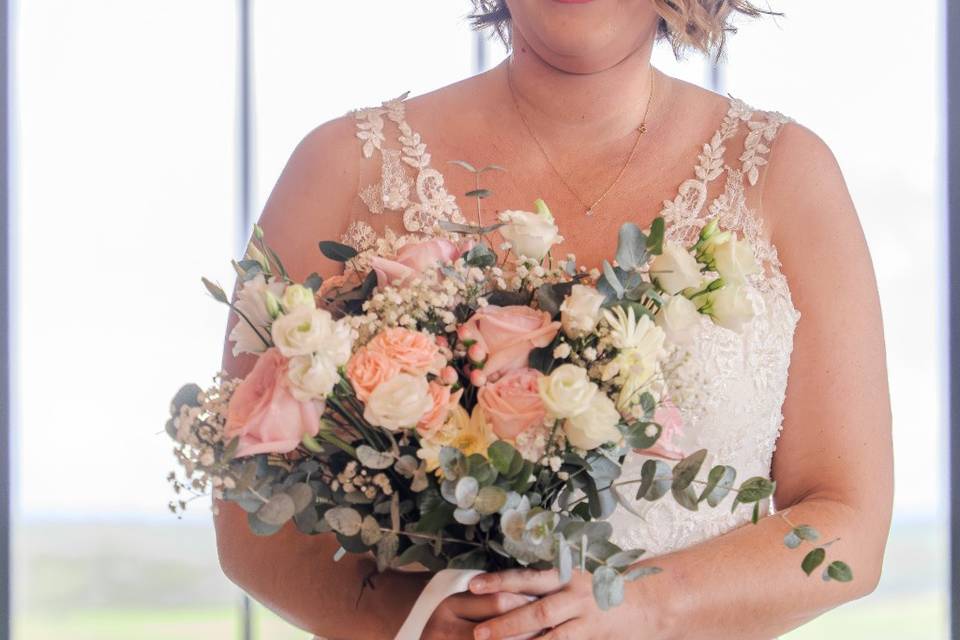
(668, 417)
(512, 403)
(264, 413)
(366, 369)
(413, 259)
(443, 400)
(413, 351)
(508, 335)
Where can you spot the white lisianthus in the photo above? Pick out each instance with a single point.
(678, 318)
(304, 331)
(734, 259)
(252, 303)
(530, 234)
(730, 306)
(311, 377)
(297, 295)
(675, 269)
(580, 310)
(399, 402)
(594, 427)
(567, 391)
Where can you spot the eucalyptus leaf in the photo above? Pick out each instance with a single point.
(719, 483)
(387, 550)
(478, 193)
(641, 572)
(373, 459)
(839, 571)
(607, 587)
(277, 511)
(611, 279)
(656, 477)
(261, 528)
(370, 531)
(313, 282)
(302, 495)
(187, 395)
(490, 500)
(792, 540)
(806, 532)
(655, 239)
(501, 455)
(466, 491)
(813, 560)
(624, 559)
(637, 437)
(463, 163)
(344, 520)
(337, 251)
(631, 246)
(685, 471)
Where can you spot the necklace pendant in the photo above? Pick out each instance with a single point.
(590, 211)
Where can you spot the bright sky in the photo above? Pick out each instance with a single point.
(125, 197)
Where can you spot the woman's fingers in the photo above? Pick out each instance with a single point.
(469, 606)
(573, 630)
(546, 613)
(530, 581)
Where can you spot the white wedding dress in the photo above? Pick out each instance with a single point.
(728, 386)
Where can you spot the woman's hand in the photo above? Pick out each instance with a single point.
(458, 614)
(563, 611)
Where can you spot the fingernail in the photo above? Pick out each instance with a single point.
(481, 633)
(477, 585)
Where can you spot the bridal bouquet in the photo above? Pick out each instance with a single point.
(442, 406)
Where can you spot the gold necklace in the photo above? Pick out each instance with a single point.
(642, 129)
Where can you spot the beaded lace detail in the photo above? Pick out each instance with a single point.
(728, 386)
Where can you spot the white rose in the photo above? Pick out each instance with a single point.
(734, 259)
(304, 331)
(678, 318)
(675, 269)
(399, 402)
(594, 427)
(580, 310)
(567, 391)
(529, 234)
(730, 306)
(297, 295)
(252, 302)
(311, 377)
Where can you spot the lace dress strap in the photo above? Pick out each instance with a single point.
(406, 182)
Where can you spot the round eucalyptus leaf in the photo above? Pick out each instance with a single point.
(813, 560)
(302, 495)
(466, 492)
(607, 587)
(373, 459)
(370, 531)
(387, 550)
(344, 520)
(466, 516)
(277, 510)
(490, 500)
(261, 528)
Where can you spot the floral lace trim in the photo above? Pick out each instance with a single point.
(423, 199)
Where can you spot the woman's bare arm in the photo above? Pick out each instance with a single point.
(291, 573)
(833, 464)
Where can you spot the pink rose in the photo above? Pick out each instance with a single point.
(412, 351)
(413, 259)
(668, 417)
(264, 413)
(508, 335)
(367, 369)
(437, 416)
(512, 403)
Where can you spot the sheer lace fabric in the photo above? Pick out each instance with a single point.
(729, 387)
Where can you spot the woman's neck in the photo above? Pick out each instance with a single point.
(604, 106)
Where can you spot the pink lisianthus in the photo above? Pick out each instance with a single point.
(414, 352)
(264, 413)
(669, 418)
(512, 404)
(415, 258)
(508, 335)
(367, 369)
(443, 400)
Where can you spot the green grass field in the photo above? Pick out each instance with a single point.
(152, 582)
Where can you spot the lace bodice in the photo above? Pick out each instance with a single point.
(729, 387)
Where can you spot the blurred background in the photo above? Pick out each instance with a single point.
(146, 134)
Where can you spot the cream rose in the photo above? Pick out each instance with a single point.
(580, 310)
(312, 377)
(399, 403)
(530, 234)
(731, 307)
(734, 259)
(678, 318)
(675, 269)
(567, 391)
(595, 426)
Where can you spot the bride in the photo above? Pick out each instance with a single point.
(578, 115)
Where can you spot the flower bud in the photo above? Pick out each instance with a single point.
(448, 375)
(255, 254)
(478, 378)
(477, 354)
(273, 304)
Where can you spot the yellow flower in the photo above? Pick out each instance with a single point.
(468, 434)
